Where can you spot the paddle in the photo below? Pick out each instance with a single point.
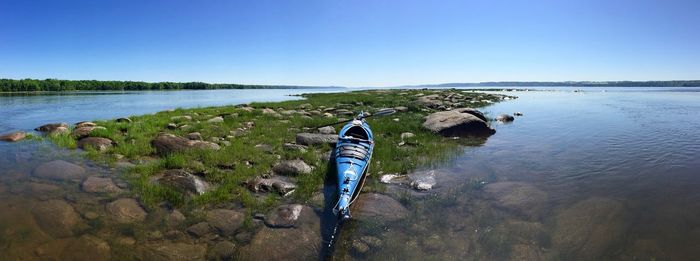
(379, 113)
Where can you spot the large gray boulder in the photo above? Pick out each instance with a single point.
(292, 167)
(588, 228)
(184, 181)
(316, 139)
(167, 143)
(97, 143)
(56, 217)
(226, 221)
(126, 210)
(59, 170)
(458, 122)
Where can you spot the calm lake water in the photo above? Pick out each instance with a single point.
(589, 175)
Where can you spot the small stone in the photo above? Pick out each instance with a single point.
(223, 250)
(505, 118)
(100, 185)
(194, 136)
(171, 126)
(97, 143)
(59, 170)
(85, 124)
(226, 221)
(181, 118)
(407, 135)
(126, 210)
(396, 119)
(216, 119)
(326, 130)
(127, 120)
(52, 127)
(174, 218)
(360, 247)
(518, 114)
(296, 147)
(401, 109)
(292, 167)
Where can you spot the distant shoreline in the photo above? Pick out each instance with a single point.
(683, 83)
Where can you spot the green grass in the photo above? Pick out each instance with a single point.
(231, 166)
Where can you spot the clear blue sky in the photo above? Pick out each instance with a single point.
(350, 43)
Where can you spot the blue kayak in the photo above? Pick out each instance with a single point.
(352, 157)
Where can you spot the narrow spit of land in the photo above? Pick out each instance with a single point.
(241, 173)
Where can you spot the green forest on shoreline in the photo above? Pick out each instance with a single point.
(54, 85)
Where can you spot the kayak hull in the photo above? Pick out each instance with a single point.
(353, 154)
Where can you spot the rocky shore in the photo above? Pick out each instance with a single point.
(228, 183)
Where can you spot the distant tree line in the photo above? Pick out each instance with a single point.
(692, 83)
(54, 85)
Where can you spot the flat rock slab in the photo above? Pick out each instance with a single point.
(59, 170)
(14, 136)
(226, 221)
(520, 197)
(56, 217)
(378, 207)
(126, 210)
(100, 185)
(316, 139)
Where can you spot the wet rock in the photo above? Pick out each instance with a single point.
(168, 143)
(517, 114)
(199, 230)
(82, 132)
(525, 252)
(216, 119)
(292, 215)
(43, 188)
(326, 130)
(194, 136)
(422, 180)
(184, 181)
(316, 139)
(223, 250)
(174, 218)
(51, 127)
(123, 119)
(458, 122)
(296, 147)
(360, 247)
(87, 248)
(97, 143)
(386, 179)
(168, 251)
(292, 167)
(14, 136)
(85, 124)
(378, 207)
(371, 241)
(519, 197)
(306, 238)
(100, 185)
(126, 210)
(505, 118)
(59, 170)
(278, 184)
(56, 217)
(588, 228)
(59, 131)
(225, 221)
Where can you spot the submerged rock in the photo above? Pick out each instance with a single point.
(378, 207)
(588, 228)
(223, 250)
(13, 136)
(316, 139)
(184, 181)
(97, 143)
(292, 167)
(287, 216)
(422, 180)
(168, 251)
(59, 170)
(300, 242)
(199, 230)
(520, 197)
(126, 210)
(56, 217)
(226, 221)
(87, 248)
(458, 122)
(100, 185)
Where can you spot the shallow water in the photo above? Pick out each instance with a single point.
(588, 175)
